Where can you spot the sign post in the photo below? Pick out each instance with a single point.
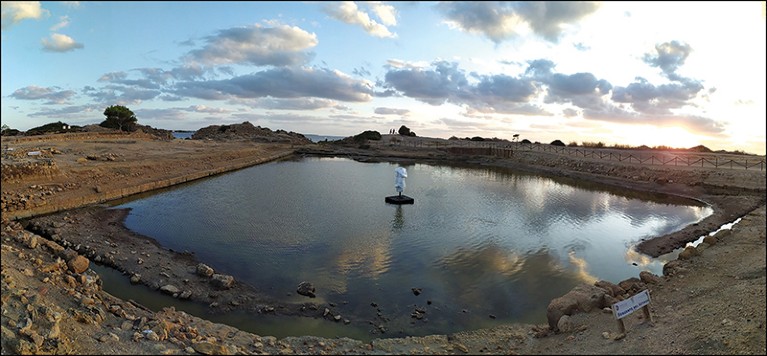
(628, 306)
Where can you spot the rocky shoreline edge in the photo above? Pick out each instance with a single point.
(59, 266)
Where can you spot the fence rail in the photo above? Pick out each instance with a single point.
(506, 149)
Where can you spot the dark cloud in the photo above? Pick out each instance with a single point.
(669, 57)
(52, 95)
(122, 95)
(281, 83)
(499, 20)
(433, 86)
(647, 98)
(361, 71)
(445, 82)
(256, 45)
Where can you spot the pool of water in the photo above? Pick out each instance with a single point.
(485, 246)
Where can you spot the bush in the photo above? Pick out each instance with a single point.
(404, 131)
(368, 135)
(54, 127)
(557, 143)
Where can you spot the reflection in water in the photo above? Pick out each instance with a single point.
(479, 241)
(398, 220)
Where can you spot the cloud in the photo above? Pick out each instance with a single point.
(669, 57)
(348, 12)
(77, 112)
(60, 43)
(501, 20)
(14, 12)
(433, 86)
(281, 83)
(391, 111)
(122, 95)
(293, 104)
(647, 98)
(256, 45)
(386, 13)
(51, 94)
(63, 22)
(444, 82)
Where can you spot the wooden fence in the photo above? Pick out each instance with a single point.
(506, 149)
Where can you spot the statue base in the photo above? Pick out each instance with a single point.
(399, 199)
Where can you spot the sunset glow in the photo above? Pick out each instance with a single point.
(625, 73)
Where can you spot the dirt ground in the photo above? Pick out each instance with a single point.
(712, 301)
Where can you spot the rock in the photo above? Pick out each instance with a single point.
(611, 288)
(565, 324)
(170, 289)
(135, 278)
(583, 298)
(222, 281)
(78, 264)
(416, 291)
(649, 278)
(204, 270)
(306, 288)
(673, 267)
(711, 240)
(688, 253)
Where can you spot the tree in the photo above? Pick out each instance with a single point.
(404, 131)
(119, 117)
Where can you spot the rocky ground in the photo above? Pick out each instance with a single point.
(710, 301)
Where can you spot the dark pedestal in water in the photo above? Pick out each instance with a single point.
(399, 199)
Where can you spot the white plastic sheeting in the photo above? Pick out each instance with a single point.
(399, 179)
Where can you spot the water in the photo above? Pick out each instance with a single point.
(182, 134)
(477, 242)
(318, 138)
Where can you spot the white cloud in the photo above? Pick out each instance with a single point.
(386, 13)
(60, 43)
(63, 22)
(280, 45)
(15, 11)
(348, 12)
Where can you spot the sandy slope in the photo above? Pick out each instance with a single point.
(713, 303)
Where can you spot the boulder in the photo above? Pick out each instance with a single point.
(306, 288)
(204, 270)
(222, 281)
(78, 264)
(582, 298)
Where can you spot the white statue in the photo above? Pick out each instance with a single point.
(399, 179)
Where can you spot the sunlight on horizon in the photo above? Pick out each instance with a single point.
(651, 136)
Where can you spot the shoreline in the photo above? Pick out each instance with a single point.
(728, 203)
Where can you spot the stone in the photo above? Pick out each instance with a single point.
(204, 270)
(582, 298)
(170, 289)
(222, 281)
(78, 264)
(306, 289)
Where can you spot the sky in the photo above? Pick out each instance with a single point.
(676, 74)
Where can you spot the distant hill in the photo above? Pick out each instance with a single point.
(246, 131)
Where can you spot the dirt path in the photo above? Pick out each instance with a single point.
(710, 302)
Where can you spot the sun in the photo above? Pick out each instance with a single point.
(672, 136)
